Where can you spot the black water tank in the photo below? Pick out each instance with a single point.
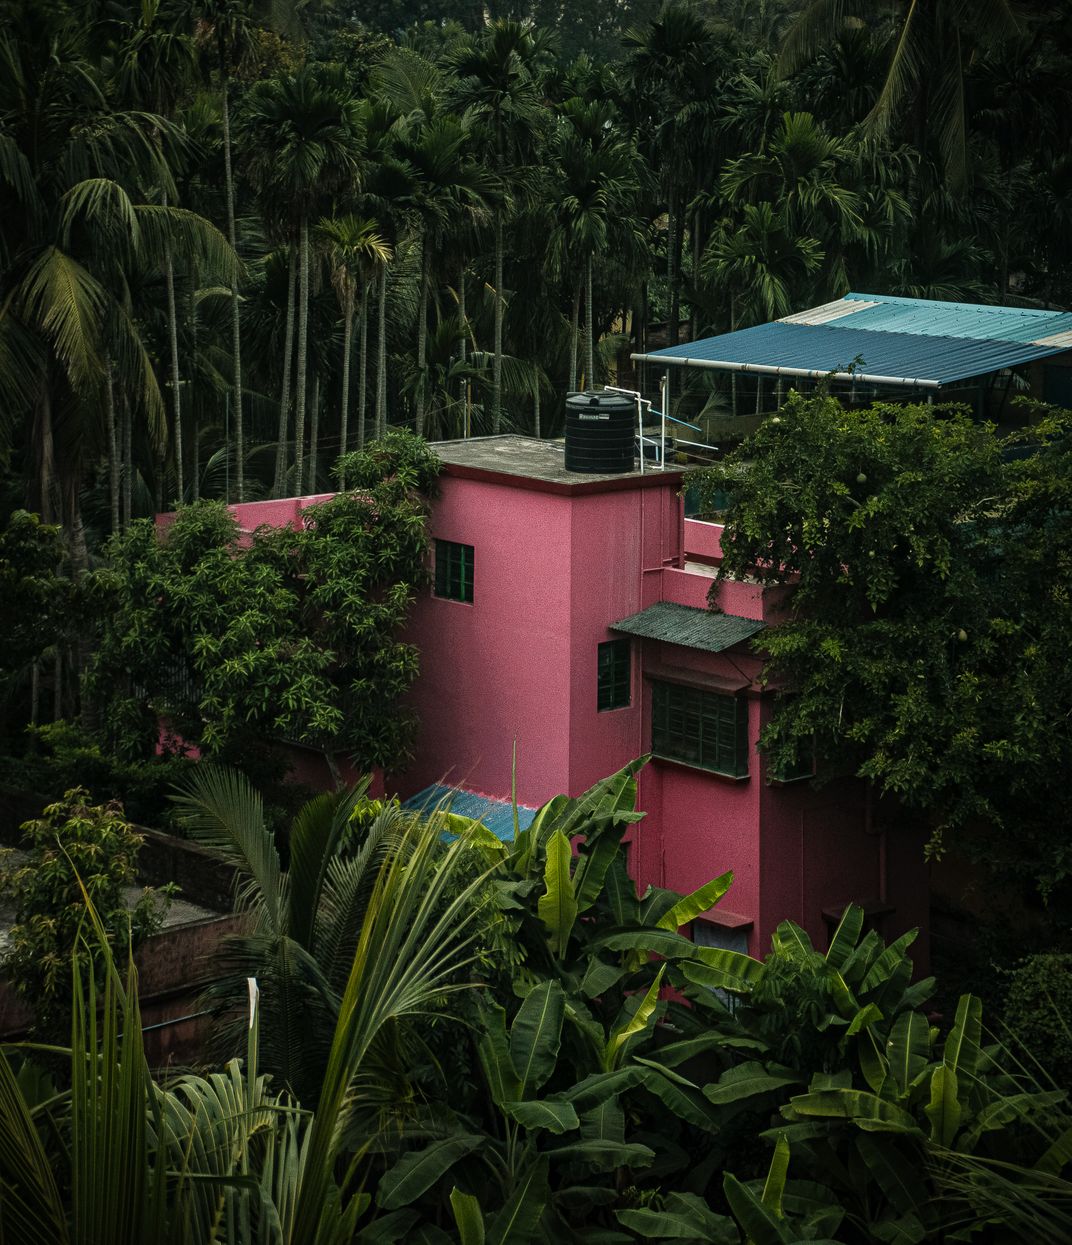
(600, 432)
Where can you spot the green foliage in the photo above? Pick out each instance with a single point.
(217, 1157)
(35, 598)
(589, 1104)
(62, 755)
(78, 851)
(925, 643)
(284, 633)
(1037, 1012)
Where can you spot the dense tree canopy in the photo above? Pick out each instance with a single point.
(927, 638)
(279, 633)
(236, 235)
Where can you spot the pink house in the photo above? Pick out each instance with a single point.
(569, 621)
(568, 625)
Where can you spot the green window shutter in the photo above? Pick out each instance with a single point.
(613, 677)
(454, 571)
(701, 728)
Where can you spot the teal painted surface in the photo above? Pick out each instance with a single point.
(496, 815)
(903, 339)
(965, 321)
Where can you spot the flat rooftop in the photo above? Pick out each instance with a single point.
(542, 462)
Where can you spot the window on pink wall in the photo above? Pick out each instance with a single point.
(613, 678)
(454, 570)
(697, 727)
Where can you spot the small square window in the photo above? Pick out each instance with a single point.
(612, 680)
(454, 571)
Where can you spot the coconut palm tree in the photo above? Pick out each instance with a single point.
(932, 42)
(301, 133)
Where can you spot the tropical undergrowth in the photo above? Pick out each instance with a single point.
(608, 1079)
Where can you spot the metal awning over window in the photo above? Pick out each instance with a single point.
(690, 627)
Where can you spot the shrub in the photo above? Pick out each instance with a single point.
(1038, 1011)
(77, 849)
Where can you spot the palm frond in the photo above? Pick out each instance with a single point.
(220, 809)
(188, 235)
(105, 207)
(315, 837)
(68, 304)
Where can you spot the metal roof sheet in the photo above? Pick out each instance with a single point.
(688, 626)
(497, 815)
(885, 340)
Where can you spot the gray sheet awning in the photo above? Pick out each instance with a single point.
(689, 627)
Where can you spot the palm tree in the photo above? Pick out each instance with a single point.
(496, 73)
(596, 191)
(154, 64)
(757, 263)
(352, 244)
(308, 926)
(449, 189)
(302, 138)
(227, 26)
(72, 234)
(219, 1157)
(932, 43)
(674, 70)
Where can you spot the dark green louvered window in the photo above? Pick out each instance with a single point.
(612, 682)
(454, 571)
(705, 729)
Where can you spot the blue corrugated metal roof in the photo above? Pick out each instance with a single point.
(903, 341)
(496, 815)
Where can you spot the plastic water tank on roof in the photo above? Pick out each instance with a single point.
(600, 432)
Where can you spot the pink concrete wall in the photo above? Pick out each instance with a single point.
(497, 670)
(553, 571)
(621, 542)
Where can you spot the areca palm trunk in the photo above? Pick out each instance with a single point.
(422, 335)
(113, 450)
(236, 324)
(314, 435)
(496, 366)
(195, 445)
(464, 345)
(176, 392)
(347, 350)
(362, 375)
(536, 410)
(575, 335)
(303, 344)
(590, 375)
(128, 464)
(280, 477)
(381, 357)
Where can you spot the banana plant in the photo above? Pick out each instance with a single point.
(577, 1048)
